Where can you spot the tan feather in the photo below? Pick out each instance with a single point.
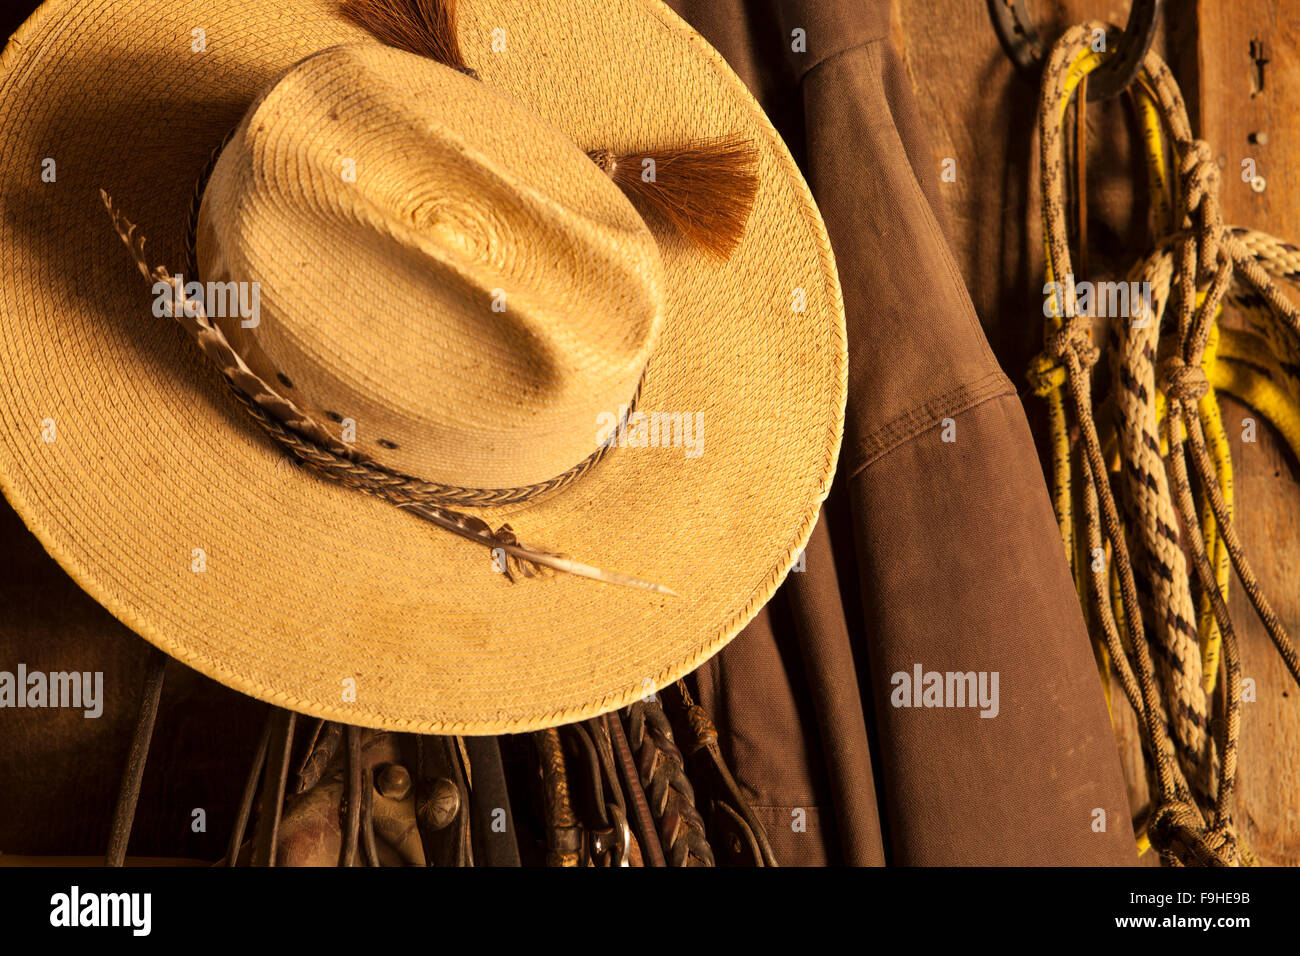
(214, 344)
(475, 529)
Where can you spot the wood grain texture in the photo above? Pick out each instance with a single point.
(1234, 109)
(982, 115)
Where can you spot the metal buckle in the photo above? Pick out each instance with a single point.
(614, 842)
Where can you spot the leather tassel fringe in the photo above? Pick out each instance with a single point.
(706, 188)
(423, 27)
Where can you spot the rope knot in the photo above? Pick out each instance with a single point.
(1186, 383)
(1047, 371)
(702, 728)
(1200, 174)
(1177, 828)
(1173, 814)
(1045, 375)
(1075, 335)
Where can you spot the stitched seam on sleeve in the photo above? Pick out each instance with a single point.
(908, 425)
(871, 41)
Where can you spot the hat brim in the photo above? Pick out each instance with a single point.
(168, 505)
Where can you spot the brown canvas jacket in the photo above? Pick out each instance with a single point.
(935, 553)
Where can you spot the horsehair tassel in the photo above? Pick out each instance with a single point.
(423, 27)
(706, 188)
(520, 561)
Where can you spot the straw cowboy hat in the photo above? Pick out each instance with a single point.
(452, 324)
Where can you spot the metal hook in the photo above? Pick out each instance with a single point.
(1025, 47)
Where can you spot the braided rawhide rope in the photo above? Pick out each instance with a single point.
(663, 776)
(1193, 270)
(563, 831)
(731, 803)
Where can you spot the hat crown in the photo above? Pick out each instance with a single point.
(441, 279)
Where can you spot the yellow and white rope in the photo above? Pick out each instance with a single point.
(1193, 776)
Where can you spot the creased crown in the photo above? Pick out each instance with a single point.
(442, 280)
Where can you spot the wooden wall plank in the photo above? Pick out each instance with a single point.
(1241, 121)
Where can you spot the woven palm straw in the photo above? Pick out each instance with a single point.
(309, 587)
